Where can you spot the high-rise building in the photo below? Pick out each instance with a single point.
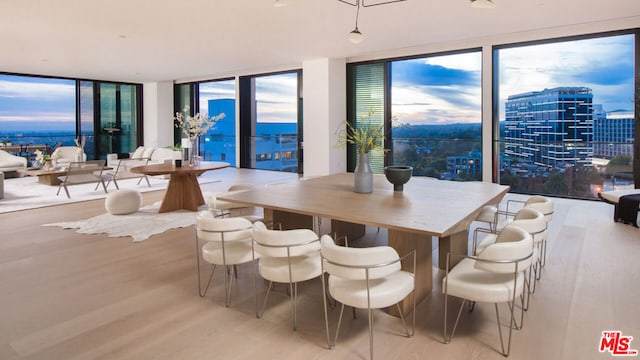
(552, 128)
(613, 134)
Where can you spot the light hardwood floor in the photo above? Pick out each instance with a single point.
(65, 295)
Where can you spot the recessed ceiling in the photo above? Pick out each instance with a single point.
(163, 40)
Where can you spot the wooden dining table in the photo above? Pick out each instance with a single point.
(183, 191)
(426, 208)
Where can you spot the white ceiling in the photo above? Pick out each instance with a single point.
(161, 40)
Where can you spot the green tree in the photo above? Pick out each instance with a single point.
(556, 184)
(620, 163)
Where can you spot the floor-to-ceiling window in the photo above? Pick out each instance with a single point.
(36, 111)
(565, 111)
(431, 108)
(86, 110)
(436, 115)
(214, 98)
(118, 118)
(270, 118)
(60, 112)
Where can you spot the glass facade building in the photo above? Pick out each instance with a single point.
(552, 128)
(613, 134)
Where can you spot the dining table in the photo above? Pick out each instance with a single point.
(426, 208)
(183, 190)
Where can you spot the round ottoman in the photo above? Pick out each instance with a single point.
(123, 201)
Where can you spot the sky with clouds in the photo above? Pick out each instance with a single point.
(446, 89)
(276, 96)
(38, 99)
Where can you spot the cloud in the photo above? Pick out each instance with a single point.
(603, 64)
(43, 89)
(411, 72)
(442, 89)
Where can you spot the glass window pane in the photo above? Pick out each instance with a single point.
(216, 97)
(367, 108)
(118, 118)
(566, 116)
(436, 110)
(36, 111)
(275, 140)
(86, 117)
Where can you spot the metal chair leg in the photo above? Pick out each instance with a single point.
(264, 304)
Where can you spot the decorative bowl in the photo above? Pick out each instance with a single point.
(398, 175)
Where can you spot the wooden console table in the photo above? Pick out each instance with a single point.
(183, 191)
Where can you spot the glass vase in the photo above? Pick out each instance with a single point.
(194, 153)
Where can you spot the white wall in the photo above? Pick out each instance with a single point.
(324, 94)
(158, 113)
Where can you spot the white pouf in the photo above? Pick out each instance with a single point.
(123, 201)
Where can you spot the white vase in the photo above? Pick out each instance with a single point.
(363, 175)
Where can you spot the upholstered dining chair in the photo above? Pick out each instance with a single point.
(545, 206)
(495, 275)
(533, 222)
(286, 256)
(227, 242)
(226, 208)
(366, 278)
(488, 214)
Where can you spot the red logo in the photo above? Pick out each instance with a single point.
(617, 344)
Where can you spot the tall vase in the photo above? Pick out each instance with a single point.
(193, 152)
(363, 175)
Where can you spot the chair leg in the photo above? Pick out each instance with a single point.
(104, 186)
(200, 291)
(512, 320)
(335, 339)
(370, 316)
(228, 281)
(264, 304)
(325, 300)
(294, 294)
(404, 322)
(447, 339)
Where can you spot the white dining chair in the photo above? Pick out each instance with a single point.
(286, 256)
(366, 278)
(496, 275)
(227, 242)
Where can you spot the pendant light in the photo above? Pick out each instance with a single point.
(483, 4)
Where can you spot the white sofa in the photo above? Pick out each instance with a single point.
(64, 155)
(9, 162)
(155, 156)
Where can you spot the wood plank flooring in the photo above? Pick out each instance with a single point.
(65, 295)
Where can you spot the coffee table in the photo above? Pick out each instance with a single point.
(45, 177)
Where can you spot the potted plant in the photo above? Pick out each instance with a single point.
(366, 138)
(193, 127)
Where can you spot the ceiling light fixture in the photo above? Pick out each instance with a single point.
(280, 3)
(483, 4)
(355, 36)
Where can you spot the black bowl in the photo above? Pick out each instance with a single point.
(398, 175)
